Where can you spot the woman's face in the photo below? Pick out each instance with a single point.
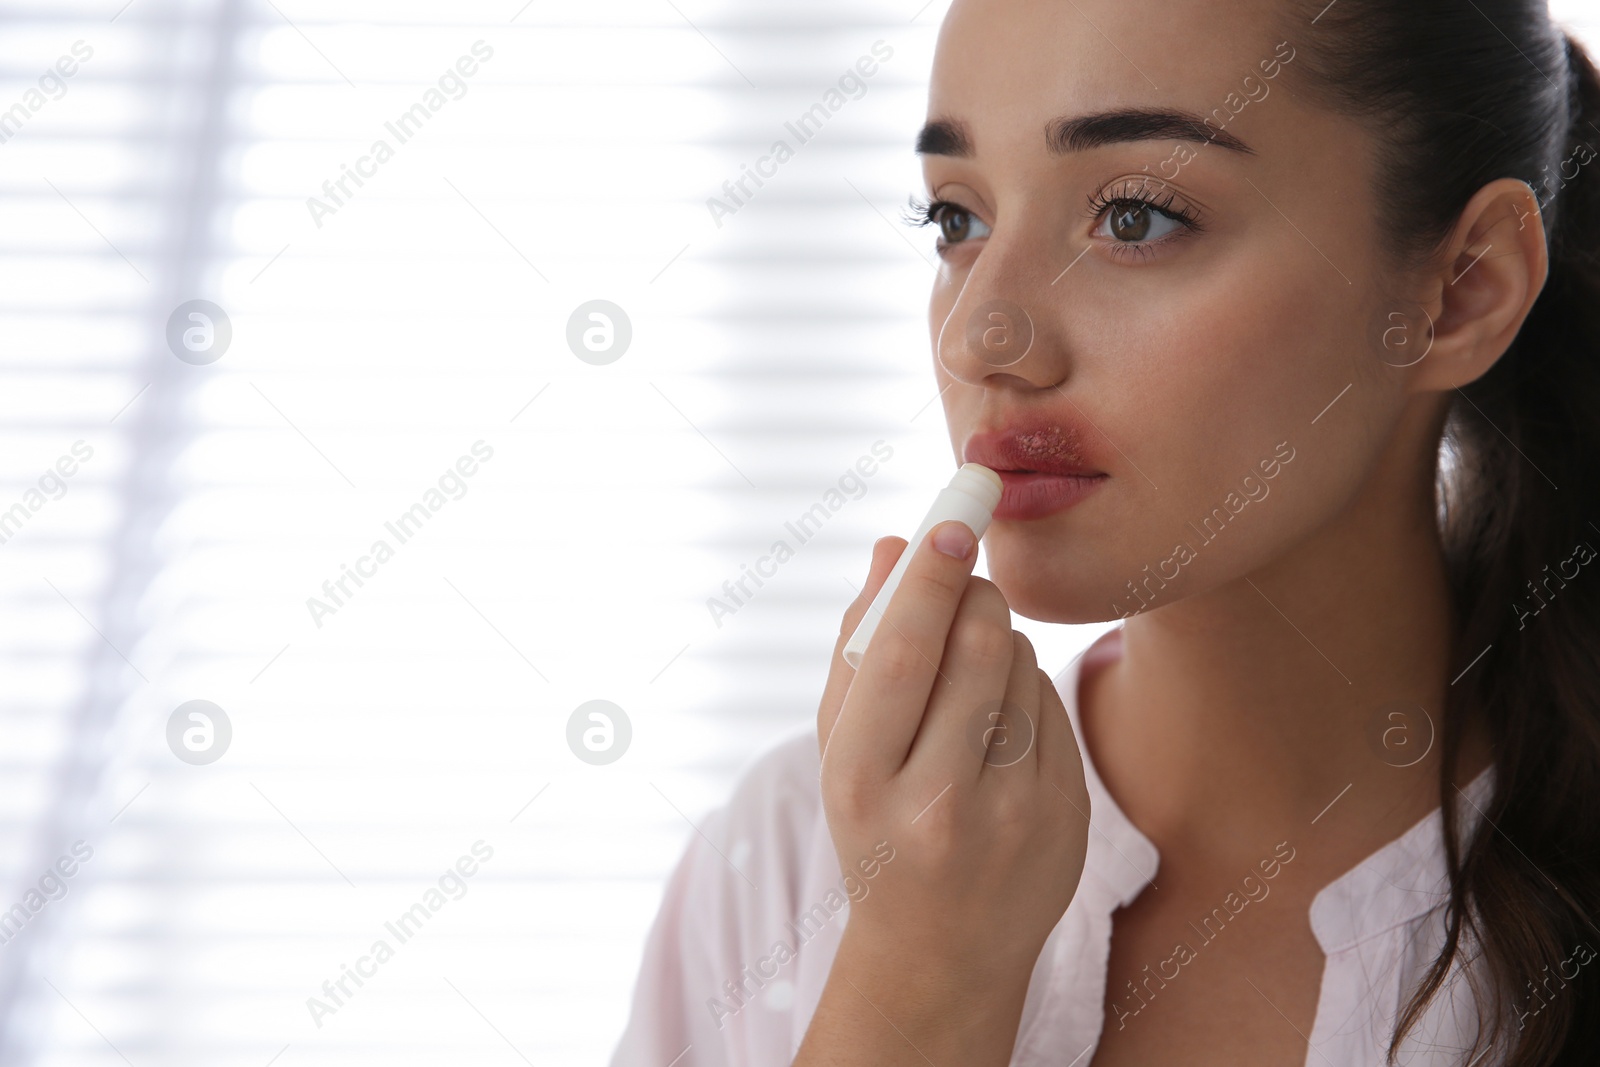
(1195, 368)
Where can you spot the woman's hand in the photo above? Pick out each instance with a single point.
(952, 748)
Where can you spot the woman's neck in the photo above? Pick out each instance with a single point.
(1239, 713)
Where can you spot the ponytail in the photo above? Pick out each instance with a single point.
(1521, 540)
(1458, 96)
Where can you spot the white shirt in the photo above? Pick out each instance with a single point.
(737, 957)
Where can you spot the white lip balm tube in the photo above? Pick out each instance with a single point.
(971, 496)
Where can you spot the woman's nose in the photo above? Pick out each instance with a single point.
(1006, 320)
(997, 334)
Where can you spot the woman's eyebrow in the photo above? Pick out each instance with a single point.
(950, 137)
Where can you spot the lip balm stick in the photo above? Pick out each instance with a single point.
(971, 496)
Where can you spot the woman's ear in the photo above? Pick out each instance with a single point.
(1494, 265)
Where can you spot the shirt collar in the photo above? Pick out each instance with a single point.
(1401, 880)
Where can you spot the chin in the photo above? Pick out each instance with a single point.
(1035, 590)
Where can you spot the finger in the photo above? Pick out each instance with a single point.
(885, 552)
(1013, 744)
(1060, 759)
(884, 705)
(979, 659)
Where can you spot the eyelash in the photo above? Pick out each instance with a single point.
(1187, 218)
(921, 211)
(925, 212)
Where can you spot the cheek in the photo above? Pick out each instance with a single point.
(1216, 366)
(1190, 390)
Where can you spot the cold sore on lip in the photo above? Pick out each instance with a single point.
(1041, 469)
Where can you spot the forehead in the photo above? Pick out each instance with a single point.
(1007, 67)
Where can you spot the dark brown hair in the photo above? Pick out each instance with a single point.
(1458, 94)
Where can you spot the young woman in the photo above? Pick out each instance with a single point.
(1279, 320)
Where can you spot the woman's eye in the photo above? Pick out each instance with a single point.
(957, 225)
(1137, 220)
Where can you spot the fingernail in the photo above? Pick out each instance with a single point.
(954, 539)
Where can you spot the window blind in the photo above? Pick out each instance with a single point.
(509, 372)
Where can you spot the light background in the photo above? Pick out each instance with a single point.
(427, 313)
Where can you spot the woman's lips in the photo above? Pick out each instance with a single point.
(1034, 495)
(1043, 465)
